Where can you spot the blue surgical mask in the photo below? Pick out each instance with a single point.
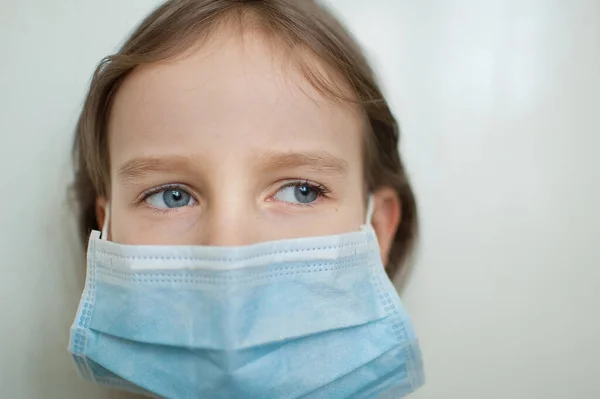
(297, 318)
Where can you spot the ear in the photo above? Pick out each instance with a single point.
(100, 212)
(386, 218)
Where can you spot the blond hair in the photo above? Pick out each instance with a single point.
(176, 25)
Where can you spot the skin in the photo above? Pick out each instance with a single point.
(240, 132)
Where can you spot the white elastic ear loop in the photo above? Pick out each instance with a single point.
(370, 209)
(104, 235)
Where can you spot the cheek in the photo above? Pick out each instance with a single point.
(130, 228)
(141, 225)
(339, 217)
(190, 228)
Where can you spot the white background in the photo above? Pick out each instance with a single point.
(500, 107)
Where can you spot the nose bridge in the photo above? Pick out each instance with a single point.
(230, 220)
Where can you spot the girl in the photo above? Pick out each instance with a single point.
(242, 164)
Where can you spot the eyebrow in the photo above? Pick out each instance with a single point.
(318, 161)
(140, 167)
(321, 162)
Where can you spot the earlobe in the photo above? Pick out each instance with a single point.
(100, 212)
(386, 219)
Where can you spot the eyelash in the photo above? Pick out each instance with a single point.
(154, 190)
(322, 191)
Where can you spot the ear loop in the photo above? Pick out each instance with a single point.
(104, 235)
(370, 209)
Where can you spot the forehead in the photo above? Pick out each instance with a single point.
(232, 96)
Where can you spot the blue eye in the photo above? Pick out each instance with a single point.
(300, 193)
(170, 198)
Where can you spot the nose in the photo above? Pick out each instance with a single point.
(232, 223)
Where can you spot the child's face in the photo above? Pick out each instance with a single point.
(231, 146)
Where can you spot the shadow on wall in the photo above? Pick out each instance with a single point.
(402, 280)
(61, 284)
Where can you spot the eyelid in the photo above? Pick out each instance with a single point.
(165, 187)
(298, 182)
(322, 191)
